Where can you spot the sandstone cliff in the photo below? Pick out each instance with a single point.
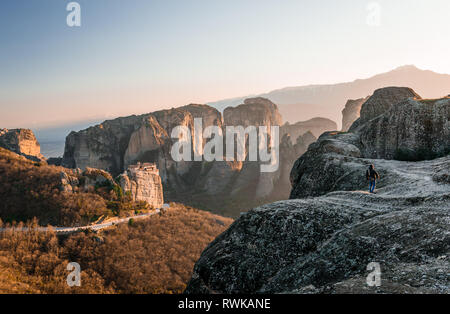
(254, 111)
(218, 185)
(324, 244)
(143, 182)
(22, 142)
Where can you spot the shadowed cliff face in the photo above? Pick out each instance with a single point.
(323, 239)
(224, 187)
(351, 112)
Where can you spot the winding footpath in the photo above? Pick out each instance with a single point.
(67, 230)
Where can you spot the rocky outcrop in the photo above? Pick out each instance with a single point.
(277, 185)
(97, 178)
(102, 146)
(116, 144)
(72, 180)
(412, 126)
(69, 181)
(143, 183)
(317, 126)
(382, 100)
(140, 182)
(331, 163)
(324, 244)
(351, 112)
(254, 111)
(22, 142)
(419, 127)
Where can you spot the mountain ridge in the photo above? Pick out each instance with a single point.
(327, 100)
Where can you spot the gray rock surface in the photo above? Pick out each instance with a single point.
(323, 239)
(414, 126)
(382, 100)
(324, 244)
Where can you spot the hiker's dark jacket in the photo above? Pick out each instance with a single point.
(372, 174)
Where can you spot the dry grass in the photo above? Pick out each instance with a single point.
(31, 189)
(156, 255)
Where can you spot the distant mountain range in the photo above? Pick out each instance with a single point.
(305, 102)
(296, 103)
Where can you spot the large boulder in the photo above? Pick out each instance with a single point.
(102, 146)
(332, 163)
(411, 126)
(382, 100)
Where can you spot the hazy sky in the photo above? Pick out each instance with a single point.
(136, 56)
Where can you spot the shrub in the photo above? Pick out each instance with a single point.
(155, 255)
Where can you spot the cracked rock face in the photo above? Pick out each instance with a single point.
(144, 184)
(382, 100)
(322, 240)
(412, 126)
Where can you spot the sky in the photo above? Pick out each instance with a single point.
(137, 56)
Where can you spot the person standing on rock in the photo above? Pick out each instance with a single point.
(372, 177)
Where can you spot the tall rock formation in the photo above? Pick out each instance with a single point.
(22, 142)
(102, 146)
(329, 234)
(351, 112)
(226, 187)
(412, 126)
(144, 184)
(254, 111)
